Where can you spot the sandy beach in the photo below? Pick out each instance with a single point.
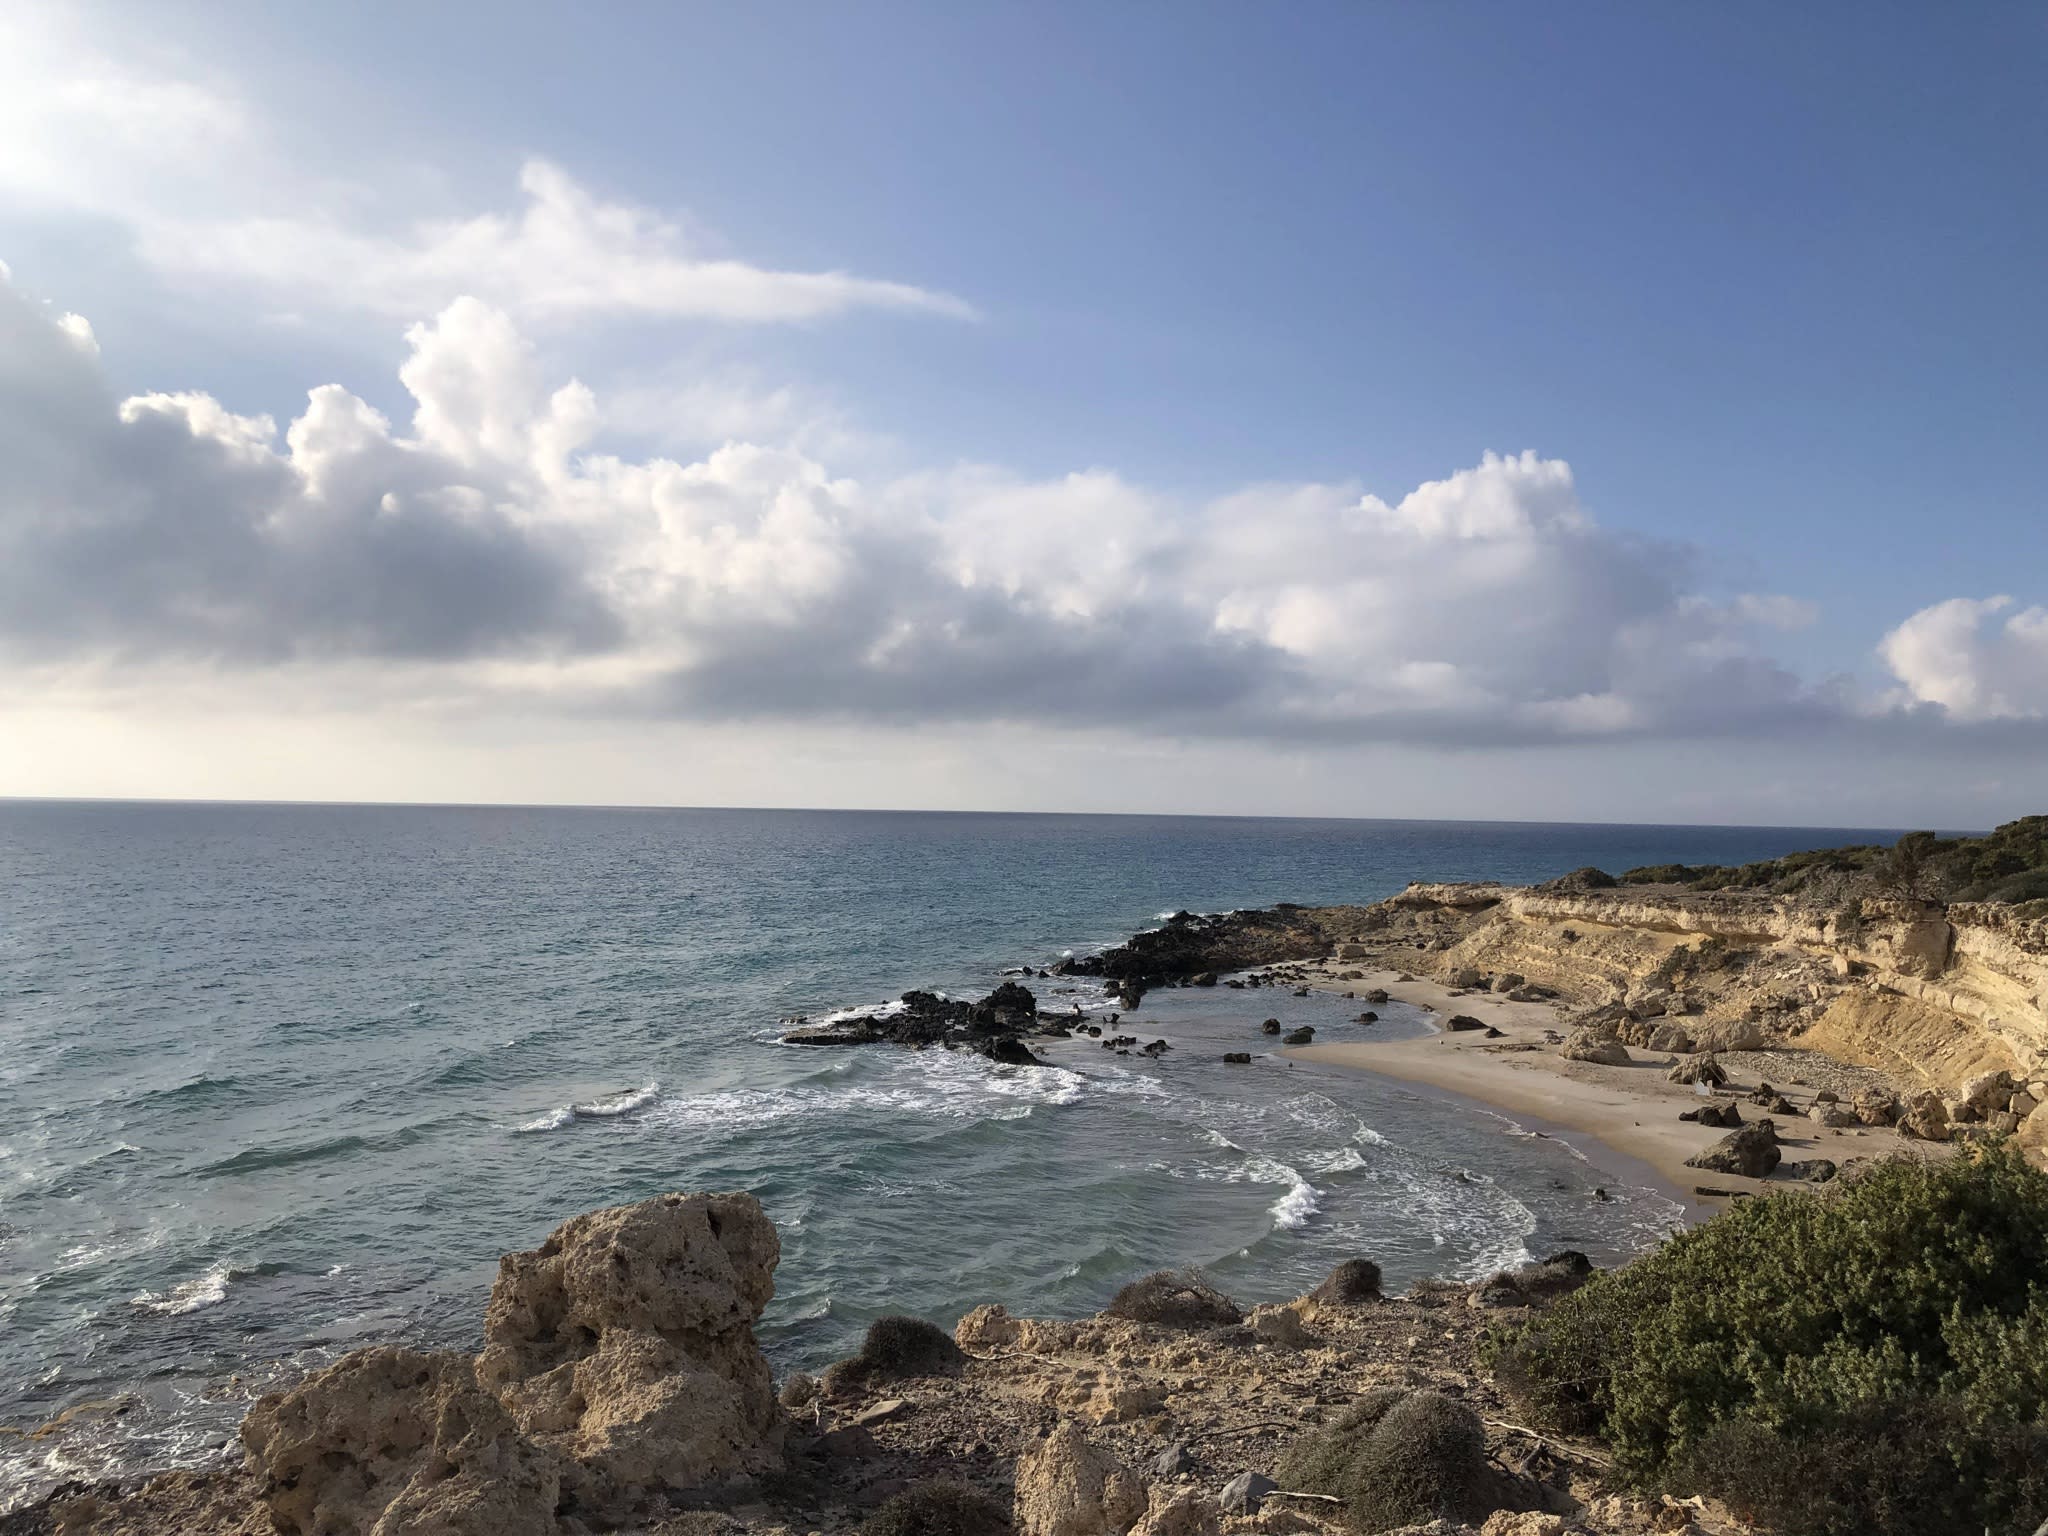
(1632, 1110)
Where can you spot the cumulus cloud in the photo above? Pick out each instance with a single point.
(1953, 655)
(493, 548)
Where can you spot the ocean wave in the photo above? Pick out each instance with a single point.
(944, 1085)
(208, 1290)
(1343, 1160)
(887, 1010)
(611, 1107)
(199, 1087)
(1297, 1202)
(553, 1120)
(258, 1159)
(617, 1104)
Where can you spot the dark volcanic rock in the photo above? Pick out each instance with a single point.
(1188, 946)
(991, 1026)
(1720, 1113)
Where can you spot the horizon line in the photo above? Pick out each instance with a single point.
(841, 810)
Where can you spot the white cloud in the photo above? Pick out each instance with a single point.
(215, 192)
(1951, 656)
(494, 548)
(564, 253)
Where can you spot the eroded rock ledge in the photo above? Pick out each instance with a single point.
(619, 1366)
(620, 1389)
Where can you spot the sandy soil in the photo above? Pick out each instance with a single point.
(1633, 1110)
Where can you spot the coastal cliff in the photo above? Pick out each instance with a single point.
(1944, 999)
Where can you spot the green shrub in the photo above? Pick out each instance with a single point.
(937, 1509)
(1894, 1467)
(1396, 1458)
(1661, 874)
(1799, 1316)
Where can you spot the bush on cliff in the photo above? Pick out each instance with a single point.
(1739, 1355)
(1901, 1467)
(1174, 1299)
(2009, 864)
(937, 1509)
(895, 1348)
(1395, 1458)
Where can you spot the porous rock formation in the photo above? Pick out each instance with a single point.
(619, 1364)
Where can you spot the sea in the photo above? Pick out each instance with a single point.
(280, 1081)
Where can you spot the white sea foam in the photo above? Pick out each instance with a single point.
(209, 1290)
(616, 1104)
(1343, 1160)
(553, 1120)
(1297, 1203)
(610, 1107)
(943, 1085)
(887, 1010)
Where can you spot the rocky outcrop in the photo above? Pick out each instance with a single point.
(995, 1026)
(625, 1344)
(1749, 1153)
(1591, 1045)
(394, 1440)
(1068, 1487)
(619, 1364)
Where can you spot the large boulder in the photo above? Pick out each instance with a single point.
(1589, 1045)
(1732, 1035)
(2033, 1138)
(1750, 1153)
(391, 1440)
(1925, 1117)
(625, 1344)
(1068, 1487)
(1672, 1039)
(1985, 1095)
(1700, 1069)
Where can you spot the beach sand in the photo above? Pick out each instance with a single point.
(1633, 1110)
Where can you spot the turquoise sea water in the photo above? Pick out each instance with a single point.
(277, 1081)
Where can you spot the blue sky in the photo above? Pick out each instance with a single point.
(1768, 280)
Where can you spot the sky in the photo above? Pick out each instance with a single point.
(1475, 410)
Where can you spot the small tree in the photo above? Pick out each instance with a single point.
(1907, 872)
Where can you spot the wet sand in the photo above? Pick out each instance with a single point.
(1632, 1110)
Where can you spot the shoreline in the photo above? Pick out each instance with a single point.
(1631, 1111)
